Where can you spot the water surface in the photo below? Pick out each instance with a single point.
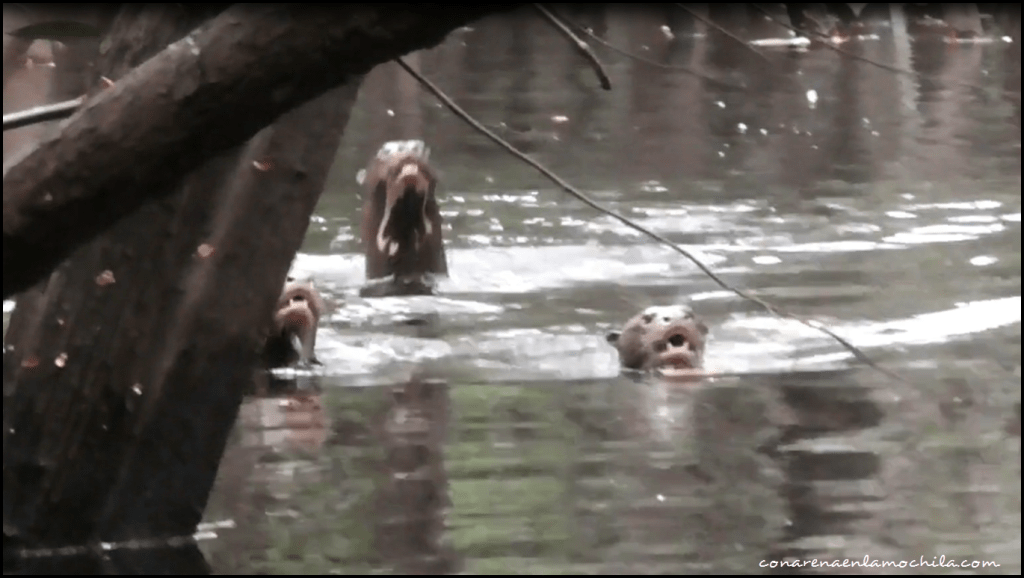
(887, 207)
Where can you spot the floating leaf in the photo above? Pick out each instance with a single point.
(56, 30)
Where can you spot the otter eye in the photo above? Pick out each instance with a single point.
(677, 340)
(666, 319)
(648, 317)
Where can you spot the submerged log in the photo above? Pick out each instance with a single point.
(201, 96)
(122, 381)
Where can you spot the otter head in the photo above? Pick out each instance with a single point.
(401, 218)
(678, 345)
(296, 319)
(632, 340)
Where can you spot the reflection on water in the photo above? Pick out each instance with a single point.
(498, 435)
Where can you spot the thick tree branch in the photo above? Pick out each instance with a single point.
(201, 96)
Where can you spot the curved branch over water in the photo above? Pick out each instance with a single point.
(202, 95)
(573, 191)
(581, 46)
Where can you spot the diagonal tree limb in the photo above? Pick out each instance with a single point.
(580, 44)
(201, 96)
(42, 113)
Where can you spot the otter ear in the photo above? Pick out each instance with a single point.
(702, 328)
(613, 337)
(289, 279)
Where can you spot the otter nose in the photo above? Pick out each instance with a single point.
(409, 170)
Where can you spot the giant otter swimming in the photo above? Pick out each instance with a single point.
(296, 319)
(677, 346)
(401, 226)
(661, 337)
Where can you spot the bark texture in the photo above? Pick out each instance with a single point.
(124, 371)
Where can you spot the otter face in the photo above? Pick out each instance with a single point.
(296, 320)
(633, 342)
(401, 226)
(679, 345)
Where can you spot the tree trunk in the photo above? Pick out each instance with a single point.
(198, 98)
(122, 383)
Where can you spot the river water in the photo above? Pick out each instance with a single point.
(505, 440)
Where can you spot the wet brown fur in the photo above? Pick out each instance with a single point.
(412, 208)
(297, 313)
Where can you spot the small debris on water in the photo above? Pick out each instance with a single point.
(720, 104)
(983, 260)
(263, 165)
(107, 82)
(205, 250)
(653, 187)
(105, 278)
(1007, 40)
(137, 389)
(61, 360)
(812, 97)
(742, 128)
(391, 112)
(560, 118)
(667, 32)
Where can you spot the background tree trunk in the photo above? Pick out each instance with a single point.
(122, 383)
